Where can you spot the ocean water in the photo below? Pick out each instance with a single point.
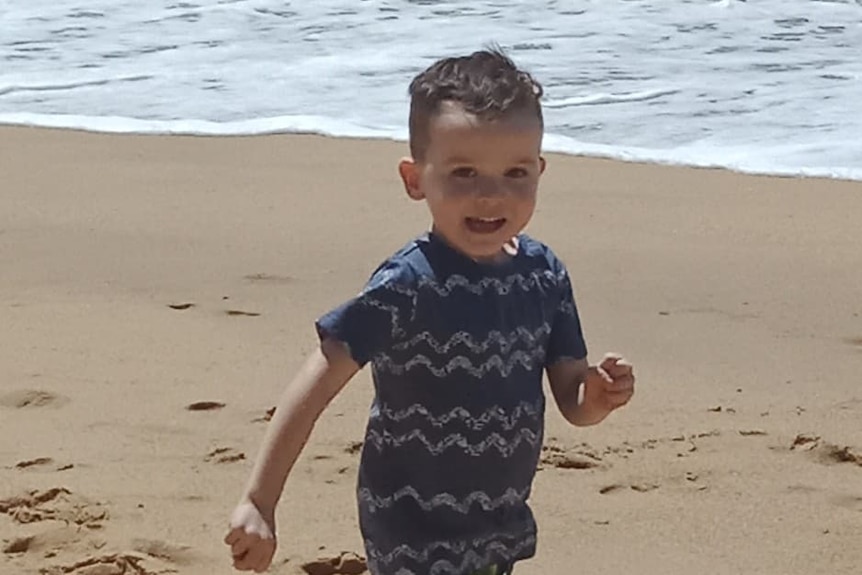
(764, 86)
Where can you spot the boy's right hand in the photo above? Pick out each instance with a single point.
(251, 538)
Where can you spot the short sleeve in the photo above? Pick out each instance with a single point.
(566, 339)
(378, 317)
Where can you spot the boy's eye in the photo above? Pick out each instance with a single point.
(464, 172)
(517, 173)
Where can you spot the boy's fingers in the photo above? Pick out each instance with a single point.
(624, 383)
(245, 561)
(241, 563)
(609, 361)
(233, 535)
(241, 546)
(264, 557)
(619, 398)
(621, 367)
(616, 367)
(258, 558)
(254, 558)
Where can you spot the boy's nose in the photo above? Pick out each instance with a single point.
(487, 186)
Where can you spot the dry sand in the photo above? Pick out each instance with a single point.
(739, 299)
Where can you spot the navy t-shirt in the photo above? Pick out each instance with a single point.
(457, 350)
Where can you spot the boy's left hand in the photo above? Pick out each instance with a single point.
(609, 385)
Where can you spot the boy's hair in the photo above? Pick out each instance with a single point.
(486, 83)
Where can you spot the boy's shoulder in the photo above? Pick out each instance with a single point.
(402, 268)
(541, 253)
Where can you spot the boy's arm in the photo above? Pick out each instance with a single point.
(319, 380)
(586, 394)
(566, 378)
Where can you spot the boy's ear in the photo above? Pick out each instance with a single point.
(542, 164)
(409, 171)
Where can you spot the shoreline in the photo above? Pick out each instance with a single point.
(641, 156)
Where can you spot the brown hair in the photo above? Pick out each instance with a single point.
(486, 83)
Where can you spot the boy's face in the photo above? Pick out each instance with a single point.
(478, 177)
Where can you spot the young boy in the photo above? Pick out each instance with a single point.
(459, 327)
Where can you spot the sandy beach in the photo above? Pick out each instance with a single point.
(156, 293)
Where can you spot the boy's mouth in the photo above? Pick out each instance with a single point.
(485, 225)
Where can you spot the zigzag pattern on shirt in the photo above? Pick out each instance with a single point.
(508, 421)
(466, 550)
(491, 441)
(505, 342)
(473, 560)
(470, 561)
(394, 315)
(401, 289)
(501, 286)
(528, 360)
(567, 307)
(510, 497)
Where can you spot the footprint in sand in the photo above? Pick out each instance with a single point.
(181, 306)
(224, 455)
(205, 406)
(752, 432)
(353, 447)
(57, 504)
(720, 409)
(556, 456)
(176, 554)
(129, 563)
(32, 398)
(38, 462)
(611, 488)
(49, 543)
(267, 416)
(18, 545)
(625, 450)
(644, 487)
(239, 312)
(345, 564)
(824, 452)
(641, 487)
(42, 463)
